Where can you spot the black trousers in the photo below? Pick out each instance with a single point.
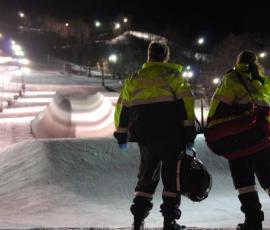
(243, 170)
(158, 158)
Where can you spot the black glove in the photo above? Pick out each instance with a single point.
(120, 137)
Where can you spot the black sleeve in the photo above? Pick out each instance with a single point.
(190, 131)
(121, 137)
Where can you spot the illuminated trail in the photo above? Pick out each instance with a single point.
(75, 116)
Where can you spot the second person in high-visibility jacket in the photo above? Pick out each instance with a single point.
(239, 125)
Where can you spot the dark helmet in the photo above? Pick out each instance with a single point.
(195, 181)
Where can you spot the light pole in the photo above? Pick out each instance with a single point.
(216, 81)
(262, 54)
(21, 14)
(89, 69)
(113, 59)
(97, 24)
(101, 65)
(201, 41)
(117, 26)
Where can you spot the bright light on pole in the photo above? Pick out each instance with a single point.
(97, 24)
(67, 24)
(216, 81)
(201, 41)
(21, 14)
(188, 74)
(262, 54)
(188, 67)
(125, 20)
(117, 25)
(24, 61)
(113, 58)
(17, 49)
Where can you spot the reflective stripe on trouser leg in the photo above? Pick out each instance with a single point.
(247, 189)
(143, 194)
(178, 187)
(169, 194)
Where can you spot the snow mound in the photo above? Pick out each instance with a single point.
(90, 183)
(66, 183)
(75, 116)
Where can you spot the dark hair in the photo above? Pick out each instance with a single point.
(250, 58)
(246, 57)
(158, 51)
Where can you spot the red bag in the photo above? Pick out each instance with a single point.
(236, 138)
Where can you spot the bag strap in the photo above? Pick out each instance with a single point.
(240, 78)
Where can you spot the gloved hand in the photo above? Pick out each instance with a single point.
(123, 146)
(120, 137)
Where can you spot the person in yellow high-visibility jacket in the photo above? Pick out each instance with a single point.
(156, 110)
(238, 128)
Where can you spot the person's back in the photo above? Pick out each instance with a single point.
(153, 113)
(156, 109)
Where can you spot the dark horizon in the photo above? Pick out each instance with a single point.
(216, 20)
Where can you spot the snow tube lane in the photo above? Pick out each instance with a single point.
(75, 116)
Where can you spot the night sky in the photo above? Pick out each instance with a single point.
(216, 19)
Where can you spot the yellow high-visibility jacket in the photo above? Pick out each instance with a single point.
(238, 120)
(155, 103)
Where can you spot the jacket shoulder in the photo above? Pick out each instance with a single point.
(134, 75)
(230, 71)
(230, 75)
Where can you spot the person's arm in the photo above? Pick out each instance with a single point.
(185, 102)
(222, 103)
(121, 116)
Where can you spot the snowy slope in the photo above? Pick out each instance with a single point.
(89, 183)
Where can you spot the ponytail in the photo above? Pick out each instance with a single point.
(248, 57)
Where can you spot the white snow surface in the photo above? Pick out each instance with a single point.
(90, 182)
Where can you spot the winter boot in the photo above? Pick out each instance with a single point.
(171, 224)
(140, 209)
(251, 207)
(138, 224)
(171, 212)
